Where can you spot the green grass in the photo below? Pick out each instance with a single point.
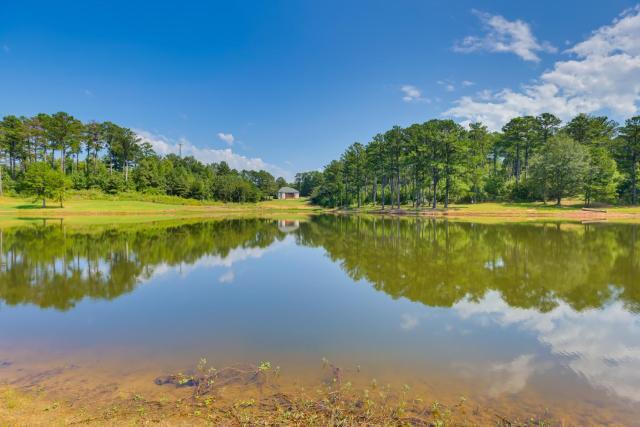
(517, 207)
(567, 206)
(28, 206)
(503, 207)
(113, 207)
(295, 204)
(495, 212)
(128, 208)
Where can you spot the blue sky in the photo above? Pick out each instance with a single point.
(286, 85)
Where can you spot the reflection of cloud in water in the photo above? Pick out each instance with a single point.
(409, 321)
(494, 265)
(210, 261)
(227, 277)
(603, 345)
(511, 377)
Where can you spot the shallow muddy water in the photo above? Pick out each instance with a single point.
(531, 320)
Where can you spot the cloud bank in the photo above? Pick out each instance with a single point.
(163, 146)
(604, 74)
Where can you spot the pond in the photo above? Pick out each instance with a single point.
(528, 319)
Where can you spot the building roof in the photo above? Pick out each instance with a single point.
(287, 190)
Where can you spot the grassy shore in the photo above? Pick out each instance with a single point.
(127, 208)
(570, 209)
(11, 207)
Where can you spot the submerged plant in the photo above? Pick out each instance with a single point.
(335, 402)
(264, 366)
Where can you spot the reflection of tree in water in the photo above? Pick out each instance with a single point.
(56, 266)
(434, 262)
(440, 263)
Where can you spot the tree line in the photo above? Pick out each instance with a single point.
(440, 161)
(47, 155)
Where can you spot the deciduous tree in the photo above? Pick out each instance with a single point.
(558, 169)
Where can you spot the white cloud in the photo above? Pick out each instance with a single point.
(504, 36)
(467, 83)
(604, 74)
(87, 92)
(412, 94)
(621, 36)
(226, 137)
(447, 84)
(163, 146)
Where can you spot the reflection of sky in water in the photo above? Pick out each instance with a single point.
(293, 301)
(212, 261)
(602, 345)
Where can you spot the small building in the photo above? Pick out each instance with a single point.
(288, 193)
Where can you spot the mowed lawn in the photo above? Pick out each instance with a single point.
(567, 206)
(294, 204)
(569, 209)
(10, 206)
(29, 206)
(14, 208)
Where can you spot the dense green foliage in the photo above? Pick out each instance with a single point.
(46, 155)
(43, 181)
(306, 182)
(532, 158)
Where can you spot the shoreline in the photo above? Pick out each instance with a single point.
(12, 209)
(518, 212)
(247, 395)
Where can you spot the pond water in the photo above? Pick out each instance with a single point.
(528, 319)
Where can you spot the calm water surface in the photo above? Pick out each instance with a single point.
(524, 318)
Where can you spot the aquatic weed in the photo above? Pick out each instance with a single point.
(333, 402)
